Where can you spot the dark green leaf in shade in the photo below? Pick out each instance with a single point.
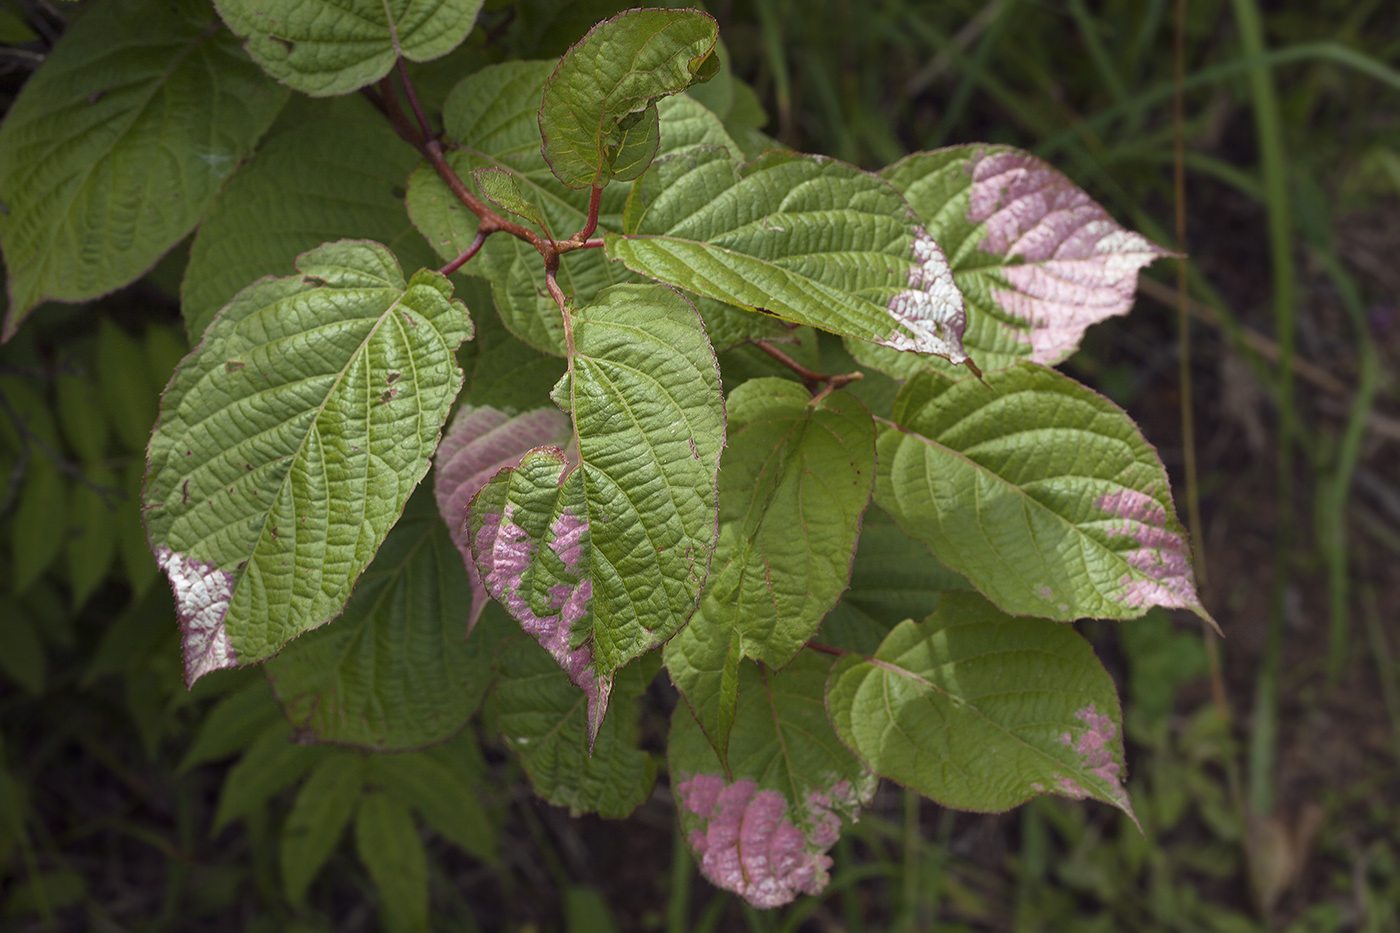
(1041, 492)
(81, 414)
(762, 826)
(326, 47)
(544, 719)
(389, 846)
(137, 563)
(271, 763)
(318, 819)
(234, 723)
(126, 391)
(443, 786)
(603, 561)
(21, 651)
(117, 146)
(805, 238)
(331, 178)
(1036, 259)
(92, 534)
(395, 671)
(981, 711)
(598, 119)
(289, 442)
(40, 521)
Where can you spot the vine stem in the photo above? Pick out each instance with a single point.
(551, 267)
(466, 256)
(827, 649)
(819, 384)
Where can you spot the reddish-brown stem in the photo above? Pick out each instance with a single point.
(388, 103)
(595, 243)
(819, 384)
(826, 649)
(412, 96)
(595, 197)
(466, 256)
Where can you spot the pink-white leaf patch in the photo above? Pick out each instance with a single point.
(1096, 745)
(748, 843)
(931, 307)
(479, 444)
(202, 593)
(1079, 266)
(1162, 555)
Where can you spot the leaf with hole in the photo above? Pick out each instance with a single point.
(1041, 492)
(117, 146)
(288, 444)
(981, 711)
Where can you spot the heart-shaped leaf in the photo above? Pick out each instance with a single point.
(806, 238)
(1035, 257)
(604, 561)
(981, 711)
(117, 146)
(761, 826)
(289, 441)
(599, 119)
(1042, 493)
(326, 47)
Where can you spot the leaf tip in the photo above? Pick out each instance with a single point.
(202, 594)
(929, 312)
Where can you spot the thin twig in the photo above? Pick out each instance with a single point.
(466, 256)
(412, 95)
(819, 384)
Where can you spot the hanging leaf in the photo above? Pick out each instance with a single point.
(389, 846)
(806, 238)
(394, 671)
(1035, 257)
(599, 119)
(703, 663)
(288, 444)
(92, 535)
(318, 819)
(40, 522)
(273, 762)
(443, 785)
(341, 176)
(126, 392)
(85, 425)
(981, 711)
(116, 147)
(761, 828)
(604, 561)
(545, 720)
(1043, 493)
(324, 48)
(480, 443)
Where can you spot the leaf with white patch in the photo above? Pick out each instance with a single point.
(1035, 257)
(603, 561)
(1041, 492)
(981, 711)
(599, 119)
(288, 444)
(545, 720)
(480, 443)
(326, 47)
(762, 826)
(394, 671)
(118, 145)
(805, 238)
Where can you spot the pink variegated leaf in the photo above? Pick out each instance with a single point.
(762, 825)
(480, 443)
(1036, 259)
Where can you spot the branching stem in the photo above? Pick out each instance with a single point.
(466, 256)
(819, 384)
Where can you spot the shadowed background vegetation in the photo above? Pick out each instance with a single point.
(1264, 768)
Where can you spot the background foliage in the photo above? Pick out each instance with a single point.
(1282, 812)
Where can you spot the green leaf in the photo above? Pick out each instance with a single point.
(272, 763)
(443, 786)
(703, 662)
(604, 561)
(479, 444)
(394, 671)
(794, 482)
(92, 536)
(982, 711)
(501, 189)
(545, 720)
(117, 146)
(324, 48)
(599, 117)
(85, 426)
(506, 374)
(1043, 493)
(21, 651)
(894, 578)
(1036, 259)
(337, 177)
(806, 238)
(137, 564)
(388, 845)
(234, 723)
(289, 442)
(761, 828)
(127, 393)
(322, 810)
(40, 522)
